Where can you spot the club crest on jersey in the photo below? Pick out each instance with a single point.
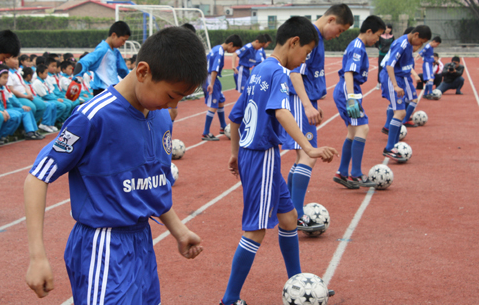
(64, 143)
(167, 142)
(399, 101)
(309, 136)
(214, 101)
(284, 88)
(356, 57)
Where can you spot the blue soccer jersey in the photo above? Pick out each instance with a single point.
(118, 162)
(400, 57)
(427, 53)
(266, 90)
(313, 72)
(355, 59)
(247, 56)
(260, 56)
(216, 59)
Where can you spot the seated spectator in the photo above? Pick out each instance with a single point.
(24, 61)
(452, 74)
(68, 57)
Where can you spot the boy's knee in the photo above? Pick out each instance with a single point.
(256, 236)
(399, 114)
(288, 221)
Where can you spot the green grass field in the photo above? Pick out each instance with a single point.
(227, 81)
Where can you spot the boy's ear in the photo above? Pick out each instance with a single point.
(294, 42)
(142, 71)
(331, 18)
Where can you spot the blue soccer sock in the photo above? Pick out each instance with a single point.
(242, 262)
(429, 87)
(221, 116)
(289, 245)
(345, 157)
(410, 109)
(209, 118)
(394, 130)
(389, 117)
(301, 177)
(357, 156)
(290, 178)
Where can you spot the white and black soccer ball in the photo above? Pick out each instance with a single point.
(228, 131)
(436, 94)
(403, 132)
(305, 289)
(420, 118)
(382, 175)
(178, 149)
(318, 214)
(404, 149)
(174, 172)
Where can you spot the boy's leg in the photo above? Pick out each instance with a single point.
(41, 107)
(398, 105)
(290, 178)
(409, 111)
(9, 127)
(389, 117)
(207, 136)
(61, 110)
(49, 117)
(212, 101)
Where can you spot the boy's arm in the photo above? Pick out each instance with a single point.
(39, 274)
(89, 60)
(233, 162)
(415, 75)
(399, 91)
(233, 63)
(314, 116)
(188, 242)
(288, 122)
(16, 92)
(121, 65)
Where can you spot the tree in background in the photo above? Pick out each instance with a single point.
(471, 5)
(396, 8)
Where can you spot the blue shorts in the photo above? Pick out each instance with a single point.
(241, 78)
(427, 73)
(309, 131)
(216, 97)
(340, 97)
(112, 265)
(265, 192)
(405, 83)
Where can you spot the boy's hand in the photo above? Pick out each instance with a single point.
(235, 70)
(40, 277)
(26, 108)
(399, 91)
(354, 108)
(315, 117)
(417, 78)
(189, 245)
(209, 89)
(60, 100)
(233, 166)
(6, 116)
(325, 153)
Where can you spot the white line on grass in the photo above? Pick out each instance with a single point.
(470, 80)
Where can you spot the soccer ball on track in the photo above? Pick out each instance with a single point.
(305, 289)
(436, 94)
(420, 118)
(318, 214)
(403, 132)
(404, 149)
(382, 175)
(174, 172)
(228, 131)
(178, 149)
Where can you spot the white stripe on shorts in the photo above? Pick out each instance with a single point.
(266, 185)
(240, 78)
(392, 94)
(408, 90)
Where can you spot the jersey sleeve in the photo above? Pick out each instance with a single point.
(121, 65)
(65, 151)
(237, 113)
(355, 58)
(91, 59)
(396, 53)
(244, 50)
(279, 95)
(424, 50)
(217, 62)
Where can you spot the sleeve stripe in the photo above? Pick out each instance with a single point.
(45, 169)
(97, 108)
(303, 68)
(53, 170)
(94, 101)
(39, 166)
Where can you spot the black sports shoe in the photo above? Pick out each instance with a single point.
(306, 224)
(239, 302)
(428, 97)
(346, 181)
(209, 137)
(394, 154)
(33, 136)
(39, 135)
(364, 181)
(385, 131)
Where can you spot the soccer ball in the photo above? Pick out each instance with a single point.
(318, 214)
(403, 132)
(420, 118)
(174, 172)
(305, 289)
(404, 149)
(178, 150)
(382, 175)
(228, 131)
(436, 94)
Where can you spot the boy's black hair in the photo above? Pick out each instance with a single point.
(4, 68)
(268, 37)
(120, 28)
(84, 54)
(297, 26)
(27, 71)
(67, 56)
(261, 38)
(423, 30)
(435, 54)
(437, 39)
(9, 43)
(408, 30)
(40, 60)
(342, 12)
(41, 68)
(235, 39)
(53, 55)
(23, 57)
(46, 54)
(59, 64)
(373, 23)
(389, 25)
(189, 26)
(33, 56)
(49, 60)
(65, 64)
(175, 55)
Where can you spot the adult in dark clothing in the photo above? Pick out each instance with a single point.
(452, 74)
(383, 44)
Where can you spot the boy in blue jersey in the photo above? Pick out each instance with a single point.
(256, 121)
(261, 54)
(427, 53)
(106, 61)
(214, 98)
(397, 86)
(247, 59)
(9, 45)
(309, 85)
(117, 151)
(348, 98)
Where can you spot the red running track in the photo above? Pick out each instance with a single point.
(415, 243)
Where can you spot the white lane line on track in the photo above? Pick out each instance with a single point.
(470, 80)
(16, 171)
